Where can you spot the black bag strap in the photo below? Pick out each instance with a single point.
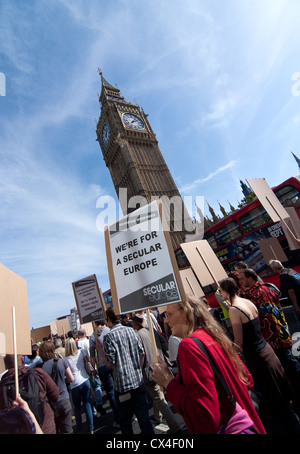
(224, 395)
(215, 369)
(54, 370)
(227, 414)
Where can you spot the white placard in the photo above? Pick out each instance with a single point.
(88, 299)
(141, 271)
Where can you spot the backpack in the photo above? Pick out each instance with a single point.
(293, 274)
(29, 390)
(296, 276)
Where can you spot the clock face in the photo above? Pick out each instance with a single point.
(132, 121)
(105, 134)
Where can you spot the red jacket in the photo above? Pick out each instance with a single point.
(197, 400)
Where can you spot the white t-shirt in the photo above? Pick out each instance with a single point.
(103, 333)
(153, 320)
(76, 364)
(84, 344)
(173, 347)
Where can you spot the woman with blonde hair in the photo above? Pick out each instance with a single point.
(80, 387)
(211, 388)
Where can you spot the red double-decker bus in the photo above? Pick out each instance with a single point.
(107, 298)
(235, 238)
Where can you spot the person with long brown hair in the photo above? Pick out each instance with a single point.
(196, 393)
(61, 374)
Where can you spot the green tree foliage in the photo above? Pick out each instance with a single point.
(247, 199)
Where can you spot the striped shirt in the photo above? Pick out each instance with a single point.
(122, 348)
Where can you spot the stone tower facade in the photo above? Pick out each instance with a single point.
(131, 153)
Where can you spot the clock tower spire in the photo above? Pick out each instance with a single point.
(131, 153)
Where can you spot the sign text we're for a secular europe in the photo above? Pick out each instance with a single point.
(144, 252)
(141, 270)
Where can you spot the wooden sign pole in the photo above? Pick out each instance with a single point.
(15, 351)
(208, 269)
(273, 252)
(150, 326)
(190, 285)
(281, 219)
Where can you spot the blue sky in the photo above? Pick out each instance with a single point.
(215, 78)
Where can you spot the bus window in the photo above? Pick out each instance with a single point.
(228, 233)
(181, 258)
(211, 240)
(254, 219)
(107, 298)
(288, 196)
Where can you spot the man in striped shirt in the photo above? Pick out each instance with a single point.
(123, 352)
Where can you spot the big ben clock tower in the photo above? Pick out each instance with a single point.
(131, 153)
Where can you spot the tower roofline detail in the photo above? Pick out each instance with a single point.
(109, 92)
(104, 81)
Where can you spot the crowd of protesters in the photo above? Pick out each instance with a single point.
(235, 370)
(72, 375)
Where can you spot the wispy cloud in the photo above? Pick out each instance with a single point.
(48, 188)
(49, 233)
(209, 77)
(221, 113)
(192, 186)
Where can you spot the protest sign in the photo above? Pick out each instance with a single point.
(143, 272)
(274, 208)
(271, 249)
(38, 334)
(89, 299)
(13, 294)
(204, 262)
(268, 199)
(53, 328)
(74, 319)
(291, 224)
(2, 365)
(62, 326)
(190, 283)
(88, 327)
